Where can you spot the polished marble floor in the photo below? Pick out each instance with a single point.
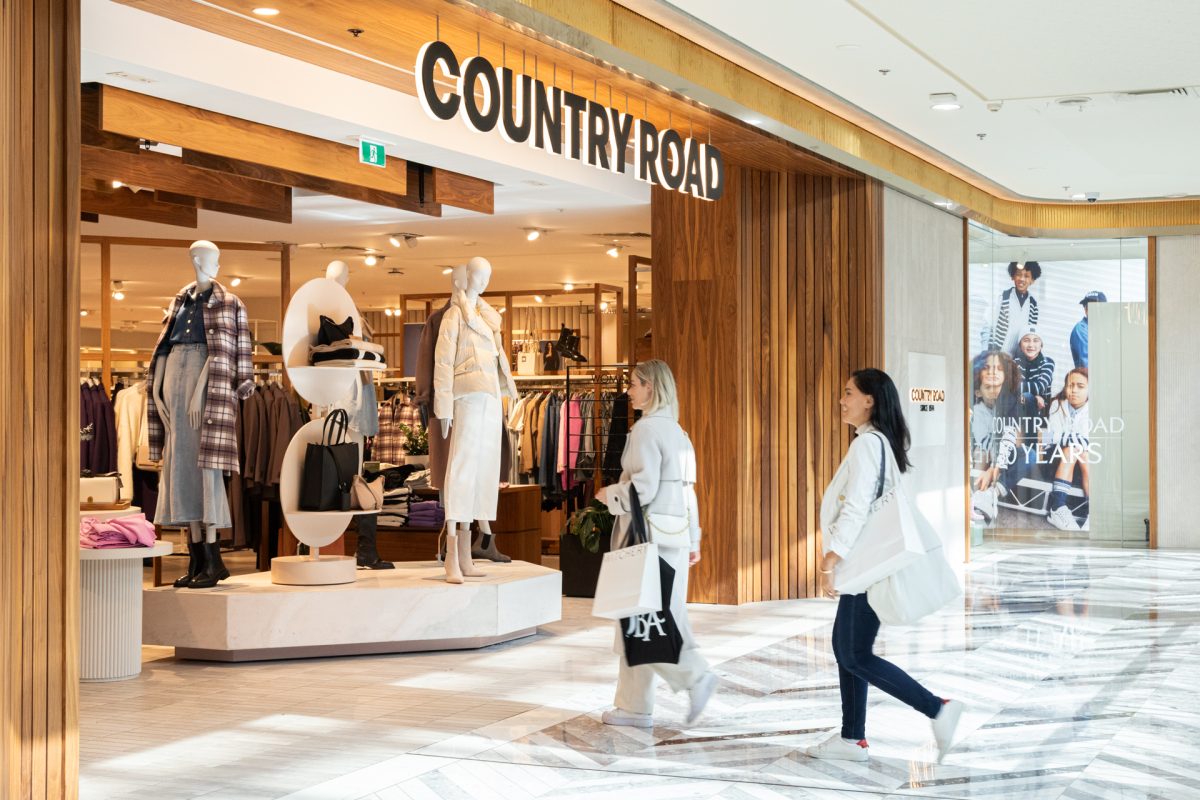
(1079, 667)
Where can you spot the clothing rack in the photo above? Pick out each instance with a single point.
(597, 378)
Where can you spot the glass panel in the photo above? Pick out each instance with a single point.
(1058, 389)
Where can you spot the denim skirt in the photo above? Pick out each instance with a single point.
(186, 493)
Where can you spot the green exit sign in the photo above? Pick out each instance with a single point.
(372, 153)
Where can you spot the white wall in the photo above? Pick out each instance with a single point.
(1178, 439)
(923, 313)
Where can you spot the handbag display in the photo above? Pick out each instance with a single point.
(921, 588)
(889, 540)
(330, 467)
(630, 581)
(100, 490)
(367, 496)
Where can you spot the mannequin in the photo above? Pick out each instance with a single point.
(367, 553)
(470, 376)
(202, 352)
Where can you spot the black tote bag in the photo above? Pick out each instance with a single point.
(654, 637)
(329, 467)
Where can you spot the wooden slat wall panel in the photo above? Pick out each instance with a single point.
(39, 444)
(798, 258)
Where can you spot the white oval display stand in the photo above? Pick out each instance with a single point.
(110, 614)
(320, 386)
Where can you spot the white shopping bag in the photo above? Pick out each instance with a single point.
(889, 542)
(919, 589)
(629, 583)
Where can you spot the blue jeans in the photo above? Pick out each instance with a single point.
(854, 631)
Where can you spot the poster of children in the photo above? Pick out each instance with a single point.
(1033, 441)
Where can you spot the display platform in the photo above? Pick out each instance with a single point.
(408, 609)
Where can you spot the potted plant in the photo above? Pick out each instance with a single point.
(416, 445)
(582, 547)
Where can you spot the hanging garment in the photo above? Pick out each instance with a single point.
(130, 412)
(618, 431)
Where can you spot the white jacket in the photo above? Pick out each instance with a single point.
(469, 356)
(847, 501)
(659, 460)
(1067, 426)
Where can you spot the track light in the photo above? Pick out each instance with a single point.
(118, 290)
(537, 298)
(568, 287)
(235, 282)
(615, 250)
(394, 240)
(409, 239)
(533, 234)
(117, 184)
(944, 101)
(387, 312)
(447, 270)
(372, 260)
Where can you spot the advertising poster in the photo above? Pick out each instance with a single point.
(1038, 445)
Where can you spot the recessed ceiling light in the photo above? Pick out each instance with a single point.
(397, 312)
(266, 12)
(83, 312)
(614, 251)
(533, 234)
(604, 305)
(537, 298)
(447, 270)
(944, 101)
(236, 282)
(371, 260)
(1079, 196)
(117, 184)
(394, 241)
(568, 287)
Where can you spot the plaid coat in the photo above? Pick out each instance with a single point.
(230, 377)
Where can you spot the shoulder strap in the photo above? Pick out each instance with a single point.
(882, 464)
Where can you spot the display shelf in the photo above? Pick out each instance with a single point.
(365, 366)
(315, 528)
(319, 297)
(110, 612)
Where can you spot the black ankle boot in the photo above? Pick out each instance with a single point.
(195, 564)
(367, 556)
(214, 568)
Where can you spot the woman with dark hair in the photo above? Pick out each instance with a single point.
(1018, 308)
(871, 404)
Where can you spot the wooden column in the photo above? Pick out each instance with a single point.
(507, 330)
(106, 315)
(39, 398)
(623, 343)
(764, 302)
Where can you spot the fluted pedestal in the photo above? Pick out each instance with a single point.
(110, 611)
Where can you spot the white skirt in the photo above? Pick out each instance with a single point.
(472, 485)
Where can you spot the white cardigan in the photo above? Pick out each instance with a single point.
(659, 460)
(847, 501)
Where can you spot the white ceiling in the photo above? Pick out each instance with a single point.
(1025, 54)
(533, 189)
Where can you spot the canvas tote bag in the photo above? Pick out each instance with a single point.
(889, 541)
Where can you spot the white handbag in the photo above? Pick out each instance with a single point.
(889, 541)
(668, 530)
(921, 588)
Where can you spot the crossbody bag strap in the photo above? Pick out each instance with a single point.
(882, 465)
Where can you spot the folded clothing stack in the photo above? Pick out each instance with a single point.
(337, 346)
(393, 477)
(395, 513)
(131, 531)
(426, 514)
(418, 480)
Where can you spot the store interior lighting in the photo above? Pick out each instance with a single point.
(118, 290)
(944, 101)
(568, 287)
(117, 184)
(235, 282)
(387, 312)
(537, 298)
(409, 239)
(372, 259)
(264, 11)
(83, 312)
(533, 234)
(604, 305)
(447, 270)
(615, 250)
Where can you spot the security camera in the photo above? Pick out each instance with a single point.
(1092, 196)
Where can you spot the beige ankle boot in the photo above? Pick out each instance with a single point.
(453, 573)
(464, 556)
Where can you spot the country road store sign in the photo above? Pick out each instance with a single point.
(372, 153)
(555, 120)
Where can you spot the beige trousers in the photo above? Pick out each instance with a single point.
(635, 685)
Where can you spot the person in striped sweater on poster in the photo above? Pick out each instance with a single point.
(1037, 370)
(1018, 307)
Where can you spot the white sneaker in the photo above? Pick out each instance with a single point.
(699, 694)
(835, 748)
(629, 719)
(1063, 519)
(986, 503)
(944, 726)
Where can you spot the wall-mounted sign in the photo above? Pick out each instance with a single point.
(372, 153)
(548, 118)
(926, 412)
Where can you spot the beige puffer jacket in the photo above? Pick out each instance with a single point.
(469, 356)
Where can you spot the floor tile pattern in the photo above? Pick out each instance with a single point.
(1078, 666)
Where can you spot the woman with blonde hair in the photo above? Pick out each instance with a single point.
(660, 463)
